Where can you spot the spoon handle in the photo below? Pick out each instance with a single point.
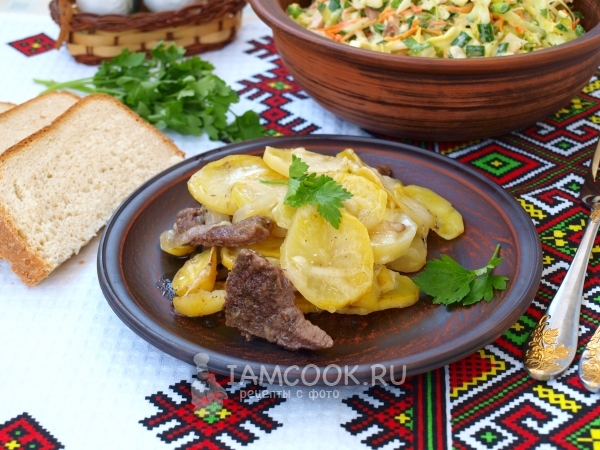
(552, 344)
(589, 364)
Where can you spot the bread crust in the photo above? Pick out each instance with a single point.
(73, 110)
(25, 263)
(17, 109)
(6, 106)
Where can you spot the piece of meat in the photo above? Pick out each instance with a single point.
(371, 13)
(245, 232)
(259, 301)
(192, 228)
(392, 27)
(384, 169)
(189, 217)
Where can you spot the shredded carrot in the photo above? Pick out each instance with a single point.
(387, 12)
(339, 26)
(500, 24)
(403, 35)
(435, 32)
(464, 9)
(416, 8)
(575, 23)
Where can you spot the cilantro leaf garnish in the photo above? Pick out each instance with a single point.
(169, 91)
(448, 282)
(321, 191)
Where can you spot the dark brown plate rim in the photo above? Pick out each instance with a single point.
(522, 290)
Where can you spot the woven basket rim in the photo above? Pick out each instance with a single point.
(207, 11)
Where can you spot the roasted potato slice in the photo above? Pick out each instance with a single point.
(330, 268)
(448, 222)
(198, 273)
(212, 185)
(201, 303)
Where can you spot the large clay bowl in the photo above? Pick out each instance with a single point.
(431, 98)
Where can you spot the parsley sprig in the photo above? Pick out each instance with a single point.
(310, 189)
(170, 92)
(448, 282)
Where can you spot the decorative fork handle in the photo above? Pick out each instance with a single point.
(589, 364)
(552, 344)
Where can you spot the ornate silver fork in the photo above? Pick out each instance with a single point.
(552, 344)
(589, 364)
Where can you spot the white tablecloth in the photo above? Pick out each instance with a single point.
(62, 337)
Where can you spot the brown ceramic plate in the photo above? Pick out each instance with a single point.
(421, 338)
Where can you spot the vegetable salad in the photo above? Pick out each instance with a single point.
(443, 28)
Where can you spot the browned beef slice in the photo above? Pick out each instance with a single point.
(260, 302)
(245, 232)
(191, 221)
(188, 218)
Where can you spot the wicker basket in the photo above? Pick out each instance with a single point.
(92, 38)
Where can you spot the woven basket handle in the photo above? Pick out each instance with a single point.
(65, 8)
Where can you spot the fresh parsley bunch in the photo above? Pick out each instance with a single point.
(448, 282)
(170, 92)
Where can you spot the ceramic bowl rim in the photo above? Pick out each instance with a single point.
(270, 12)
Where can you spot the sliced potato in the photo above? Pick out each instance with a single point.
(331, 268)
(369, 300)
(414, 259)
(392, 237)
(448, 222)
(370, 174)
(385, 279)
(260, 206)
(350, 155)
(402, 293)
(269, 248)
(227, 256)
(361, 168)
(198, 272)
(248, 191)
(166, 245)
(212, 185)
(201, 303)
(368, 201)
(412, 208)
(405, 293)
(280, 159)
(283, 214)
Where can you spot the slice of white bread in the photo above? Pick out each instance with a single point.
(59, 186)
(19, 122)
(5, 106)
